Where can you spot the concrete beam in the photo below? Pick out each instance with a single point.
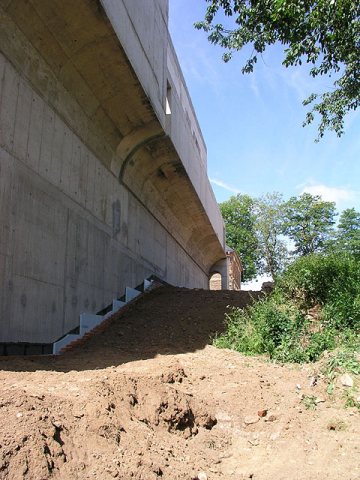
(136, 139)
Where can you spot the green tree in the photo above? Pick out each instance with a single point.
(272, 251)
(308, 221)
(348, 232)
(239, 221)
(322, 33)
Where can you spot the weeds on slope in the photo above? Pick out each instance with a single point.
(315, 308)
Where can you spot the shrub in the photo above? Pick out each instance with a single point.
(241, 334)
(264, 327)
(331, 281)
(279, 326)
(317, 279)
(343, 311)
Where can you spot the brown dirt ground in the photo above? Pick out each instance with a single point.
(148, 398)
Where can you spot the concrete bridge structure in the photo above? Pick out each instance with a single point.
(102, 163)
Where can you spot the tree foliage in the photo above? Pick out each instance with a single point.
(322, 33)
(272, 249)
(262, 230)
(308, 222)
(347, 238)
(239, 221)
(279, 324)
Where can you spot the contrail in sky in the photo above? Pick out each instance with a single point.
(222, 184)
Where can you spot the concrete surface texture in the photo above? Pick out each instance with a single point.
(102, 163)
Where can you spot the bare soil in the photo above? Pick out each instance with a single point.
(148, 398)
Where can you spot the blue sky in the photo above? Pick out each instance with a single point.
(252, 123)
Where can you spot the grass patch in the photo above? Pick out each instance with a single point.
(309, 402)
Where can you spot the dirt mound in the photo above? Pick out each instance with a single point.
(148, 399)
(66, 432)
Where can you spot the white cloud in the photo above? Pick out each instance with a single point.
(224, 185)
(256, 284)
(329, 194)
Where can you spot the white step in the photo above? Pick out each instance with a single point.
(63, 342)
(130, 294)
(88, 321)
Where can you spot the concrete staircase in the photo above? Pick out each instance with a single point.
(94, 323)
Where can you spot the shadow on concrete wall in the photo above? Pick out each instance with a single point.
(167, 321)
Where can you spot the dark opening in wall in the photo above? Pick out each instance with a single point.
(168, 99)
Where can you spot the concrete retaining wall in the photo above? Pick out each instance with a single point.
(72, 236)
